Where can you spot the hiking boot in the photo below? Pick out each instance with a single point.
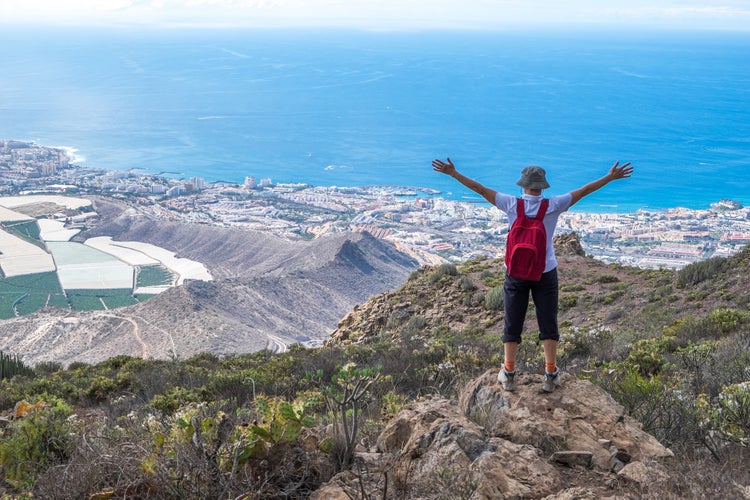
(551, 380)
(507, 379)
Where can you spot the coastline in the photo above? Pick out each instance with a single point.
(605, 206)
(421, 221)
(73, 154)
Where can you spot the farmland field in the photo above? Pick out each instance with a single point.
(97, 300)
(36, 291)
(82, 267)
(157, 275)
(21, 257)
(6, 304)
(40, 267)
(28, 230)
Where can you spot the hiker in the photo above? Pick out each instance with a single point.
(541, 279)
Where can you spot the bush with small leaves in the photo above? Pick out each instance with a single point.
(607, 278)
(724, 321)
(568, 301)
(648, 356)
(443, 270)
(734, 412)
(494, 299)
(474, 299)
(203, 452)
(729, 414)
(168, 402)
(39, 437)
(655, 401)
(414, 325)
(466, 284)
(697, 272)
(492, 278)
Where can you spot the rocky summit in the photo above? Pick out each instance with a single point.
(574, 443)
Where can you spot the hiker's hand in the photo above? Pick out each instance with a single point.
(620, 172)
(444, 167)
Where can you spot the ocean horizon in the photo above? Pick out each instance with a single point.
(349, 108)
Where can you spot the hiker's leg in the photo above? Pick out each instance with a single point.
(510, 350)
(550, 355)
(515, 303)
(545, 294)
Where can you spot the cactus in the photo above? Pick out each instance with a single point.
(11, 365)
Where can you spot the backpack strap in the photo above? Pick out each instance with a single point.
(542, 209)
(520, 212)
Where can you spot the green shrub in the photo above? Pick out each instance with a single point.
(612, 297)
(733, 413)
(204, 452)
(572, 287)
(607, 278)
(443, 270)
(414, 325)
(40, 436)
(648, 356)
(697, 272)
(492, 278)
(695, 358)
(345, 396)
(577, 342)
(568, 301)
(170, 401)
(475, 299)
(656, 402)
(725, 321)
(47, 367)
(494, 298)
(466, 284)
(100, 389)
(660, 293)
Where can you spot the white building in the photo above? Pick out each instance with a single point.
(198, 183)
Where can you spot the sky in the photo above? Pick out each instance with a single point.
(384, 14)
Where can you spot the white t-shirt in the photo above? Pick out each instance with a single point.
(557, 205)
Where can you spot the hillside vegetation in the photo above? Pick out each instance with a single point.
(672, 348)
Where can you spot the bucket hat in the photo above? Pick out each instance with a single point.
(533, 178)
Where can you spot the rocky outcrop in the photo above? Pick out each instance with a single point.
(569, 244)
(574, 443)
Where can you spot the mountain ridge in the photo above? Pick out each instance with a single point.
(267, 293)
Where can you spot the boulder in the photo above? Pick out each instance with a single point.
(525, 444)
(578, 416)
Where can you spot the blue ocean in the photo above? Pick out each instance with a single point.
(361, 108)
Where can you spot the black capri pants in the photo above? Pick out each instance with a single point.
(516, 302)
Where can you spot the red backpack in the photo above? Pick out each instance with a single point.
(526, 249)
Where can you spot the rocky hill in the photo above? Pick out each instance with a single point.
(657, 340)
(267, 293)
(403, 400)
(594, 297)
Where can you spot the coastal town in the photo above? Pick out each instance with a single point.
(417, 220)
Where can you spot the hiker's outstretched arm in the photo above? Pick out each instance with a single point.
(616, 172)
(447, 168)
